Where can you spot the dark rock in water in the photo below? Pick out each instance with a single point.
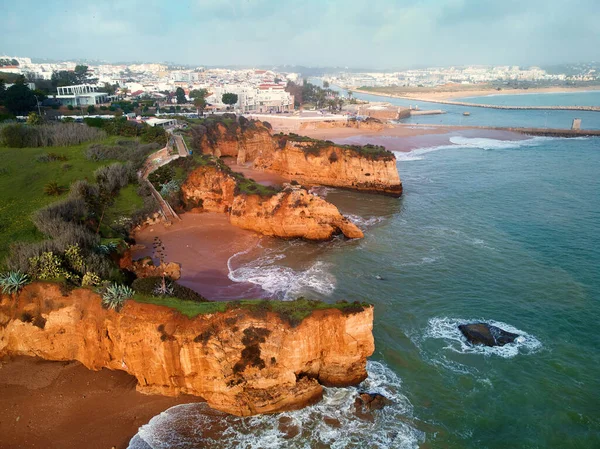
(486, 334)
(373, 401)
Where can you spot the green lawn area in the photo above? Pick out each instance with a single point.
(22, 181)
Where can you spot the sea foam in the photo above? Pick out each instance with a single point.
(281, 281)
(330, 423)
(481, 143)
(447, 329)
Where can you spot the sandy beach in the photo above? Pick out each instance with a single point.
(446, 93)
(202, 243)
(61, 405)
(401, 130)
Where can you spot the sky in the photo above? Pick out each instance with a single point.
(378, 34)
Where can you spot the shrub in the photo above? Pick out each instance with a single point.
(90, 279)
(53, 189)
(47, 135)
(51, 157)
(124, 150)
(148, 286)
(13, 281)
(161, 176)
(114, 296)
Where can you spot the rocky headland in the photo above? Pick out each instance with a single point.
(308, 161)
(292, 212)
(243, 361)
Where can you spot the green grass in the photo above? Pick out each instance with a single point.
(126, 203)
(293, 311)
(22, 181)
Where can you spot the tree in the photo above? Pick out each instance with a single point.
(229, 99)
(199, 96)
(326, 84)
(2, 91)
(19, 100)
(63, 78)
(180, 94)
(91, 109)
(110, 89)
(40, 94)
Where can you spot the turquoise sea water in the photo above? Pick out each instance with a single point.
(506, 231)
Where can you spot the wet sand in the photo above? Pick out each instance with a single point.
(203, 243)
(63, 405)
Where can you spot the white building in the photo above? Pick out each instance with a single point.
(82, 95)
(262, 98)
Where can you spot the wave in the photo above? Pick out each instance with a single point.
(482, 143)
(281, 281)
(330, 423)
(364, 222)
(447, 329)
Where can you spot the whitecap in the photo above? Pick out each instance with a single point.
(196, 425)
(364, 222)
(496, 144)
(447, 329)
(281, 281)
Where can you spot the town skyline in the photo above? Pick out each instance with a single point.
(261, 33)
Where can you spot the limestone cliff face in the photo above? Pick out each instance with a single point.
(243, 144)
(291, 213)
(333, 165)
(329, 165)
(240, 362)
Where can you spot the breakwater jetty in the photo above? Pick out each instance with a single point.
(489, 106)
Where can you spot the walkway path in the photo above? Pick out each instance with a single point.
(157, 160)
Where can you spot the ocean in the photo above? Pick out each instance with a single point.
(490, 227)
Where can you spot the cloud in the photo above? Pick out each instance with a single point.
(356, 33)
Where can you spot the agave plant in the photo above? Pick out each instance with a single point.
(106, 248)
(164, 288)
(114, 296)
(13, 281)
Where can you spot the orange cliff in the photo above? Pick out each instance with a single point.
(290, 213)
(239, 361)
(308, 161)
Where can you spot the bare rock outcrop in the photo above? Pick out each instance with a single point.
(241, 361)
(290, 213)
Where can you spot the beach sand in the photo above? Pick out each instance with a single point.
(63, 405)
(203, 243)
(408, 130)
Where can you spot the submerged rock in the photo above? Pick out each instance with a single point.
(366, 403)
(486, 334)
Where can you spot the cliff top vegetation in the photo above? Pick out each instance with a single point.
(179, 169)
(315, 146)
(291, 311)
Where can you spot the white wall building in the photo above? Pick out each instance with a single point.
(82, 95)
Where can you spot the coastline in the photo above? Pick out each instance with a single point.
(64, 405)
(434, 96)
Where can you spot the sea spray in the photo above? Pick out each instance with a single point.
(330, 423)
